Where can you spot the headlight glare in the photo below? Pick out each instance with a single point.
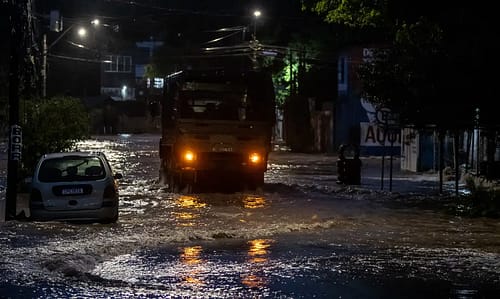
(188, 156)
(255, 158)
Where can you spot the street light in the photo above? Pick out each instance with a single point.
(82, 32)
(256, 15)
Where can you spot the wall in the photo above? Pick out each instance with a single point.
(356, 121)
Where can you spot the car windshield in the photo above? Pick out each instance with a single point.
(71, 168)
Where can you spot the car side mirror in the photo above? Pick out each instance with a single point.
(118, 176)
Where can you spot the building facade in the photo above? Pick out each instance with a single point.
(122, 74)
(358, 122)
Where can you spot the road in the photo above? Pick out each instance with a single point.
(301, 236)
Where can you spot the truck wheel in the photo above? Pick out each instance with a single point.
(184, 185)
(176, 184)
(255, 181)
(162, 177)
(163, 173)
(172, 182)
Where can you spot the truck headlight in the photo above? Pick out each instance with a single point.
(255, 158)
(188, 156)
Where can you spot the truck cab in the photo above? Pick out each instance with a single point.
(216, 128)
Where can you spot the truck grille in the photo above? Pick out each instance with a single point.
(221, 160)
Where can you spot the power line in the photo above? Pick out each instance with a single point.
(78, 59)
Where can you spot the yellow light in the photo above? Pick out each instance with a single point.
(189, 156)
(254, 158)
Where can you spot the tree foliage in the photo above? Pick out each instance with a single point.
(52, 125)
(351, 13)
(407, 76)
(296, 63)
(432, 68)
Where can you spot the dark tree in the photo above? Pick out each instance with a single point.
(437, 65)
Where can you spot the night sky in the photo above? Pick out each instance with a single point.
(174, 22)
(161, 19)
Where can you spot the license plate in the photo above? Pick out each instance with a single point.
(72, 191)
(225, 149)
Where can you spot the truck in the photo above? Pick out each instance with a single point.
(217, 126)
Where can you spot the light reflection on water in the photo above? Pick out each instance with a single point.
(254, 202)
(258, 253)
(258, 250)
(190, 202)
(190, 210)
(191, 257)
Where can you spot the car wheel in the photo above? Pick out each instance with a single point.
(112, 219)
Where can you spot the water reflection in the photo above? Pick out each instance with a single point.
(253, 281)
(190, 202)
(254, 202)
(191, 258)
(258, 250)
(191, 207)
(191, 255)
(257, 255)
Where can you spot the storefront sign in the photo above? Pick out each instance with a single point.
(373, 135)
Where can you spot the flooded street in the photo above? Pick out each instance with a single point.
(301, 236)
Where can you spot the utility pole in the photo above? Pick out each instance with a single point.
(56, 25)
(44, 65)
(16, 9)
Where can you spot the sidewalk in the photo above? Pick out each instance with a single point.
(402, 181)
(321, 169)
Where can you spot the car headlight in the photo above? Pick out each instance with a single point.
(255, 158)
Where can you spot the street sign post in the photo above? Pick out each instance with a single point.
(389, 121)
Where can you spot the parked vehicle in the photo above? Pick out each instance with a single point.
(74, 186)
(216, 128)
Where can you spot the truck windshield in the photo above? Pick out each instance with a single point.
(212, 101)
(223, 101)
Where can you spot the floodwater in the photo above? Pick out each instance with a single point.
(301, 236)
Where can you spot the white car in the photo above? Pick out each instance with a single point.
(74, 186)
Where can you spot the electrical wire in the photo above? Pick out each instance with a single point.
(216, 40)
(78, 59)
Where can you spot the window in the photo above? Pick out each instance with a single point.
(71, 168)
(118, 64)
(158, 83)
